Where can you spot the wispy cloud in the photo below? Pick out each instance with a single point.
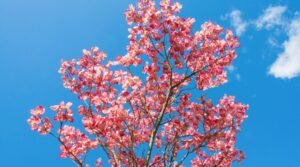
(272, 16)
(287, 64)
(237, 22)
(272, 19)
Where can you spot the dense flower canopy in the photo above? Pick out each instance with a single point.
(159, 109)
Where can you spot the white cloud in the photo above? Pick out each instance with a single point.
(237, 22)
(272, 16)
(287, 64)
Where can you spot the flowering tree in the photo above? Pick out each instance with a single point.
(156, 118)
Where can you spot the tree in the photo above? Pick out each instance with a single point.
(156, 118)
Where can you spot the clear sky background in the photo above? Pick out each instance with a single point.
(36, 34)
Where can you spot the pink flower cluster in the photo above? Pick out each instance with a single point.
(130, 114)
(63, 112)
(37, 123)
(74, 143)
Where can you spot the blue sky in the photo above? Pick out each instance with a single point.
(36, 34)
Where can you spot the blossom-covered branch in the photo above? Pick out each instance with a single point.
(151, 118)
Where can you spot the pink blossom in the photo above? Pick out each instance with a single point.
(34, 122)
(129, 114)
(37, 123)
(46, 126)
(38, 111)
(63, 112)
(74, 142)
